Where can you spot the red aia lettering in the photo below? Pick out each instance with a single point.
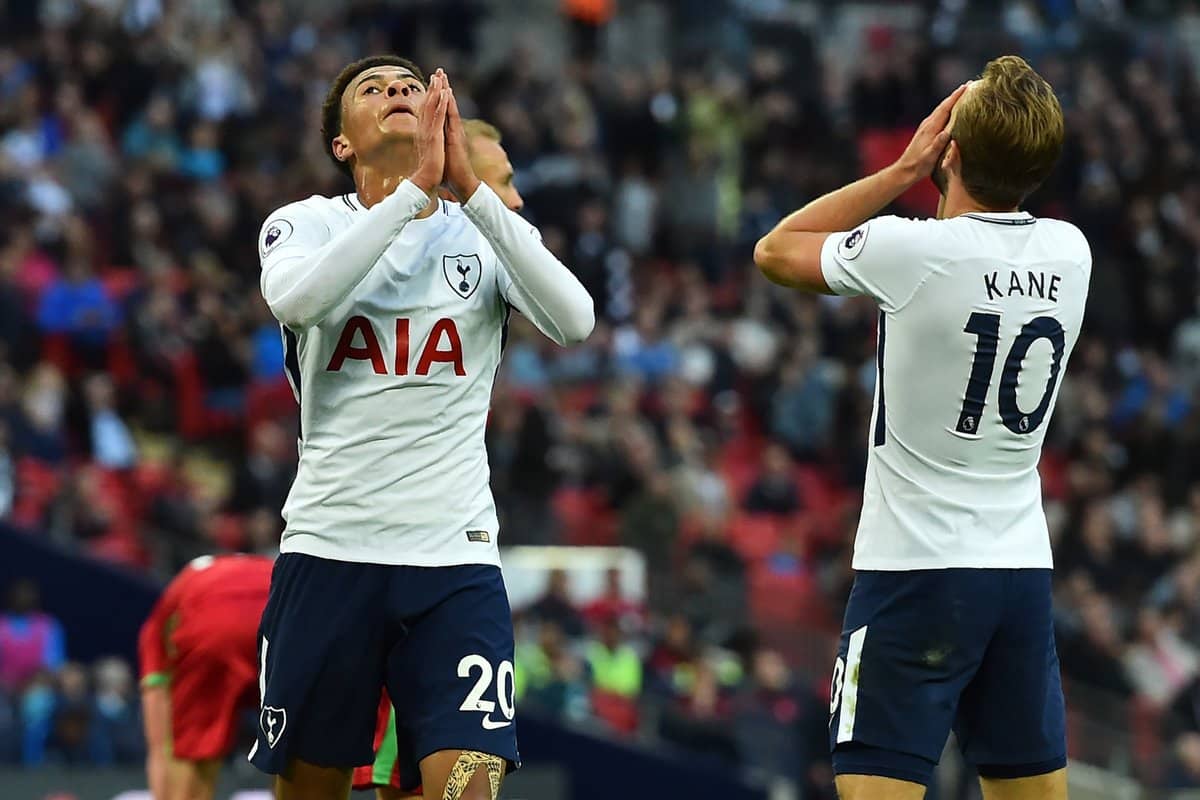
(401, 346)
(433, 351)
(369, 351)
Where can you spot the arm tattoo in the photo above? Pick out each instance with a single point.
(464, 769)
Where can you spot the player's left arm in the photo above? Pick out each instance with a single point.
(154, 666)
(790, 254)
(537, 284)
(156, 723)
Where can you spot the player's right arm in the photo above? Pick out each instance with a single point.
(307, 270)
(791, 254)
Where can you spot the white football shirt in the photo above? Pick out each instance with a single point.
(978, 316)
(393, 368)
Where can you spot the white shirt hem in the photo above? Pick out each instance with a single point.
(488, 557)
(912, 565)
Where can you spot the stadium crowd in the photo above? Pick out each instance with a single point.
(713, 422)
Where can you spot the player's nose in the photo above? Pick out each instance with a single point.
(398, 87)
(516, 202)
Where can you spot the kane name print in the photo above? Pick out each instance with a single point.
(1025, 283)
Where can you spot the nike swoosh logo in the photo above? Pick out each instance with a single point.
(490, 724)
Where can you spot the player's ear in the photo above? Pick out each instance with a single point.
(342, 149)
(952, 158)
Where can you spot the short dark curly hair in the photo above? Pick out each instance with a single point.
(331, 111)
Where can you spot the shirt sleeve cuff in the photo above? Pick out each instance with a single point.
(409, 198)
(482, 204)
(831, 270)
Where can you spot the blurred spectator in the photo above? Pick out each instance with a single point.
(73, 738)
(31, 641)
(643, 350)
(38, 428)
(112, 443)
(549, 677)
(774, 490)
(263, 529)
(802, 408)
(118, 725)
(555, 605)
(152, 135)
(1160, 664)
(774, 718)
(8, 477)
(669, 665)
(712, 583)
(264, 477)
(10, 730)
(201, 159)
(37, 709)
(699, 720)
(615, 665)
(1183, 769)
(1093, 656)
(613, 604)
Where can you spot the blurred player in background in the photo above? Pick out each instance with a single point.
(393, 305)
(393, 775)
(949, 623)
(490, 162)
(199, 671)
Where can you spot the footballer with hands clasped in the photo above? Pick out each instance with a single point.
(393, 304)
(949, 625)
(392, 774)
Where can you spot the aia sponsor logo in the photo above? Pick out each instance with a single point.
(360, 341)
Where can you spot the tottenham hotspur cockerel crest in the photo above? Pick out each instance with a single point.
(463, 273)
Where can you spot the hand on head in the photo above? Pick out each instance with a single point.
(929, 142)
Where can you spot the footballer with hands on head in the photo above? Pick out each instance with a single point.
(949, 624)
(393, 303)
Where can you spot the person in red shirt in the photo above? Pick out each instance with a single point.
(198, 654)
(613, 604)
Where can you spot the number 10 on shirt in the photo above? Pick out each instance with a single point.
(986, 329)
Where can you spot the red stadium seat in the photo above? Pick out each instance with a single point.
(618, 711)
(755, 536)
(584, 516)
(739, 464)
(228, 531)
(37, 484)
(196, 421)
(782, 599)
(271, 400)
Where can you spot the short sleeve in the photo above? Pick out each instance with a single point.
(886, 258)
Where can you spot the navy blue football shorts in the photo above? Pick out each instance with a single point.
(335, 633)
(929, 651)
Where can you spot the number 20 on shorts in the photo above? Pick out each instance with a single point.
(505, 690)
